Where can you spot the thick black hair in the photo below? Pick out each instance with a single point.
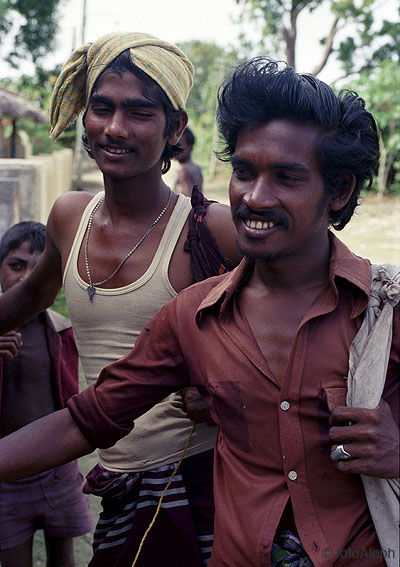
(261, 90)
(123, 64)
(35, 232)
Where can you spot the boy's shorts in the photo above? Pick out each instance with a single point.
(52, 501)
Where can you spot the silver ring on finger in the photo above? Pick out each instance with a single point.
(340, 454)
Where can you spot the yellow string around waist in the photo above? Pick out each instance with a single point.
(163, 494)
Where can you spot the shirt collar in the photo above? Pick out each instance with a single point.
(356, 270)
(222, 293)
(343, 264)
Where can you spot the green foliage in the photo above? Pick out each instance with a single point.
(354, 38)
(380, 90)
(33, 25)
(60, 304)
(38, 88)
(275, 24)
(273, 14)
(212, 62)
(363, 47)
(369, 46)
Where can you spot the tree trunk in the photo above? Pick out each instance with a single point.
(290, 41)
(328, 47)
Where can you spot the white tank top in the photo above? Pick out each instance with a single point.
(107, 328)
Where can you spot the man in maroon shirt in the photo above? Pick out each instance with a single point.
(267, 344)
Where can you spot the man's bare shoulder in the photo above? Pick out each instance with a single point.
(65, 217)
(69, 207)
(72, 203)
(219, 221)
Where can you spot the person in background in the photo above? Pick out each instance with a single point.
(188, 173)
(38, 374)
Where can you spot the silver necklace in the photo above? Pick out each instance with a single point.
(91, 289)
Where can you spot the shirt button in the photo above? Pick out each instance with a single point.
(285, 405)
(292, 475)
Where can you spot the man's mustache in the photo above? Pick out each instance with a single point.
(246, 213)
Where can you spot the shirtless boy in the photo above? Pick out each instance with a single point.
(38, 374)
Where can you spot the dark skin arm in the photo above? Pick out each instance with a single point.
(32, 296)
(42, 445)
(38, 291)
(372, 440)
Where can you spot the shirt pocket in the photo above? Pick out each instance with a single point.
(335, 397)
(228, 405)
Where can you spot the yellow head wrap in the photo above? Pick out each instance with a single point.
(162, 61)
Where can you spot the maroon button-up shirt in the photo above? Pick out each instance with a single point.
(273, 443)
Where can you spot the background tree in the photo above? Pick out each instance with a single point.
(381, 90)
(367, 48)
(353, 36)
(212, 62)
(38, 88)
(30, 27)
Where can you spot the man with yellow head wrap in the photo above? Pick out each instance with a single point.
(121, 255)
(165, 63)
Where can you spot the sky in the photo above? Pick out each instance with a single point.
(172, 20)
(181, 20)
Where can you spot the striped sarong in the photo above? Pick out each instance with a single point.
(183, 532)
(288, 551)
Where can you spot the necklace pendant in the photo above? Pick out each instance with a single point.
(91, 291)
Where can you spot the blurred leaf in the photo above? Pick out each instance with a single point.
(60, 304)
(380, 88)
(358, 42)
(32, 26)
(212, 62)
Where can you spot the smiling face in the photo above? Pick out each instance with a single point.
(125, 129)
(17, 265)
(279, 204)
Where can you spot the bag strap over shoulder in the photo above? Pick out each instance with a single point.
(368, 362)
(369, 351)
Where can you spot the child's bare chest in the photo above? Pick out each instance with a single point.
(28, 389)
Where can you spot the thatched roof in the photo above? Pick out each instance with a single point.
(16, 106)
